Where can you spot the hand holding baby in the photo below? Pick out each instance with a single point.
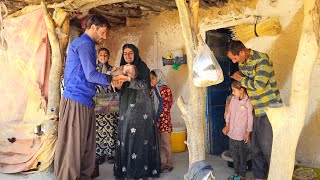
(123, 73)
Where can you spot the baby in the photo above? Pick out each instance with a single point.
(128, 70)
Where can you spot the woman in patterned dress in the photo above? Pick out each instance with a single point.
(106, 123)
(162, 97)
(137, 147)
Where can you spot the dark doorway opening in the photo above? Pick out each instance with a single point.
(217, 41)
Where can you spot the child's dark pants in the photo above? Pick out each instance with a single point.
(239, 153)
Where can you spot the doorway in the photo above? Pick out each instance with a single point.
(217, 142)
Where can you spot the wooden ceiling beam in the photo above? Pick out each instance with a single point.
(111, 19)
(69, 5)
(86, 7)
(14, 1)
(153, 7)
(168, 5)
(204, 4)
(144, 9)
(120, 11)
(216, 3)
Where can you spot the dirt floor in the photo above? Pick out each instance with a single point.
(221, 170)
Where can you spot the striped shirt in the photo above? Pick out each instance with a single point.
(259, 80)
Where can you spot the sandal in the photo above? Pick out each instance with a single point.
(234, 177)
(167, 169)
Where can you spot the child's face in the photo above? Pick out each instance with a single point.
(103, 56)
(238, 93)
(153, 80)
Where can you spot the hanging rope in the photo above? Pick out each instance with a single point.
(3, 45)
(255, 26)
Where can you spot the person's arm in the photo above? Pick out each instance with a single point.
(170, 98)
(228, 115)
(226, 109)
(117, 84)
(263, 71)
(87, 58)
(160, 106)
(225, 130)
(250, 117)
(250, 122)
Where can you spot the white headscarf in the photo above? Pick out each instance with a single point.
(160, 78)
(161, 81)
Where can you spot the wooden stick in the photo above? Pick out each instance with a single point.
(56, 67)
(194, 4)
(64, 41)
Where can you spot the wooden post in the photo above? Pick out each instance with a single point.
(194, 112)
(56, 67)
(288, 121)
(63, 42)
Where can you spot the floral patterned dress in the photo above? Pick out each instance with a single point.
(164, 123)
(106, 124)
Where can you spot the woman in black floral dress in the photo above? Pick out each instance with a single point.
(137, 146)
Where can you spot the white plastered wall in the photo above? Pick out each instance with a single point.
(157, 35)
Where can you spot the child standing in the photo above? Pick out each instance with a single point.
(162, 97)
(106, 122)
(239, 121)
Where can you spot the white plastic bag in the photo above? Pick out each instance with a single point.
(206, 69)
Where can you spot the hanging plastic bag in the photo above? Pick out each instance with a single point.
(206, 69)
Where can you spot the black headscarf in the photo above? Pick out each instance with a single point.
(135, 50)
(143, 71)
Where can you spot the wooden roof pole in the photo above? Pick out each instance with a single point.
(194, 112)
(288, 121)
(87, 6)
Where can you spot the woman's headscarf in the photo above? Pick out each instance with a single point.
(156, 96)
(135, 50)
(160, 78)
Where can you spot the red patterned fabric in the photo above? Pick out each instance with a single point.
(164, 123)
